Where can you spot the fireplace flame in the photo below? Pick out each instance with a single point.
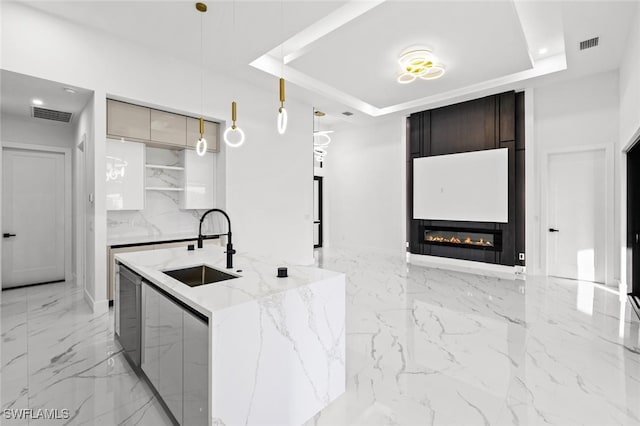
(455, 240)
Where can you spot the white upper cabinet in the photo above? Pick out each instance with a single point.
(198, 181)
(125, 175)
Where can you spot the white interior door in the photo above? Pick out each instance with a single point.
(33, 217)
(576, 215)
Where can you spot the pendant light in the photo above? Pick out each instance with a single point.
(233, 132)
(282, 112)
(201, 145)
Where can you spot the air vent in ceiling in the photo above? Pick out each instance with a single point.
(588, 44)
(347, 113)
(50, 114)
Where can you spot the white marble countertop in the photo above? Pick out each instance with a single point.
(145, 239)
(256, 280)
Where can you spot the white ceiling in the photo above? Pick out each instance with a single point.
(343, 55)
(361, 58)
(17, 92)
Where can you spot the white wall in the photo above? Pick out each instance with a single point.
(269, 180)
(365, 185)
(629, 132)
(567, 115)
(630, 86)
(35, 131)
(83, 142)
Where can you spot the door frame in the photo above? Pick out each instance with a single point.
(609, 193)
(68, 218)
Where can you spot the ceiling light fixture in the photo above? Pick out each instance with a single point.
(37, 102)
(69, 90)
(419, 62)
(233, 135)
(321, 139)
(201, 145)
(542, 51)
(282, 112)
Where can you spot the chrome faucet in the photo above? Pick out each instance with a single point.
(230, 251)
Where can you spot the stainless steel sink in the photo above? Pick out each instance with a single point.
(199, 275)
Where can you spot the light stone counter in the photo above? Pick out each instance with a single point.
(277, 345)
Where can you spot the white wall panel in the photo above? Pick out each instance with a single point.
(471, 186)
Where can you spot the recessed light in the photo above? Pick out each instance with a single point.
(70, 90)
(542, 51)
(37, 102)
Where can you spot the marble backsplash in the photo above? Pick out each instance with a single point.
(162, 215)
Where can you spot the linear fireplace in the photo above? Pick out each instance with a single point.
(481, 239)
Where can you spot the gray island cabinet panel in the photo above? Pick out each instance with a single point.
(151, 334)
(175, 356)
(162, 354)
(170, 359)
(196, 368)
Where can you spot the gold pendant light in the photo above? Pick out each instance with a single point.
(233, 135)
(201, 145)
(233, 130)
(282, 112)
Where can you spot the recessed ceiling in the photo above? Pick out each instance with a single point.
(17, 92)
(361, 58)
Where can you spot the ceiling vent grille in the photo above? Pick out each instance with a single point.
(50, 114)
(347, 113)
(588, 44)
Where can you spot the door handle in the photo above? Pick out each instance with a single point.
(553, 230)
(8, 235)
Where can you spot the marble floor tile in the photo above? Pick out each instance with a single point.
(425, 346)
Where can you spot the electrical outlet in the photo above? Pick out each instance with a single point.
(520, 256)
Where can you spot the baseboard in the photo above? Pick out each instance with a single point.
(96, 307)
(481, 268)
(399, 251)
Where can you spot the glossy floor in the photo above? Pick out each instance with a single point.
(424, 346)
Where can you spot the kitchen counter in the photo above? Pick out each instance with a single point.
(277, 345)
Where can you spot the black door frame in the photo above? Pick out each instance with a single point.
(319, 221)
(633, 222)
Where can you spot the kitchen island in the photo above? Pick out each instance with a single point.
(264, 350)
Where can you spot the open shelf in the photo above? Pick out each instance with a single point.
(160, 166)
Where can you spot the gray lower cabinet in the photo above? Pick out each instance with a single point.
(196, 366)
(175, 356)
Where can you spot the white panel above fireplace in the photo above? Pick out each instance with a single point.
(471, 186)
